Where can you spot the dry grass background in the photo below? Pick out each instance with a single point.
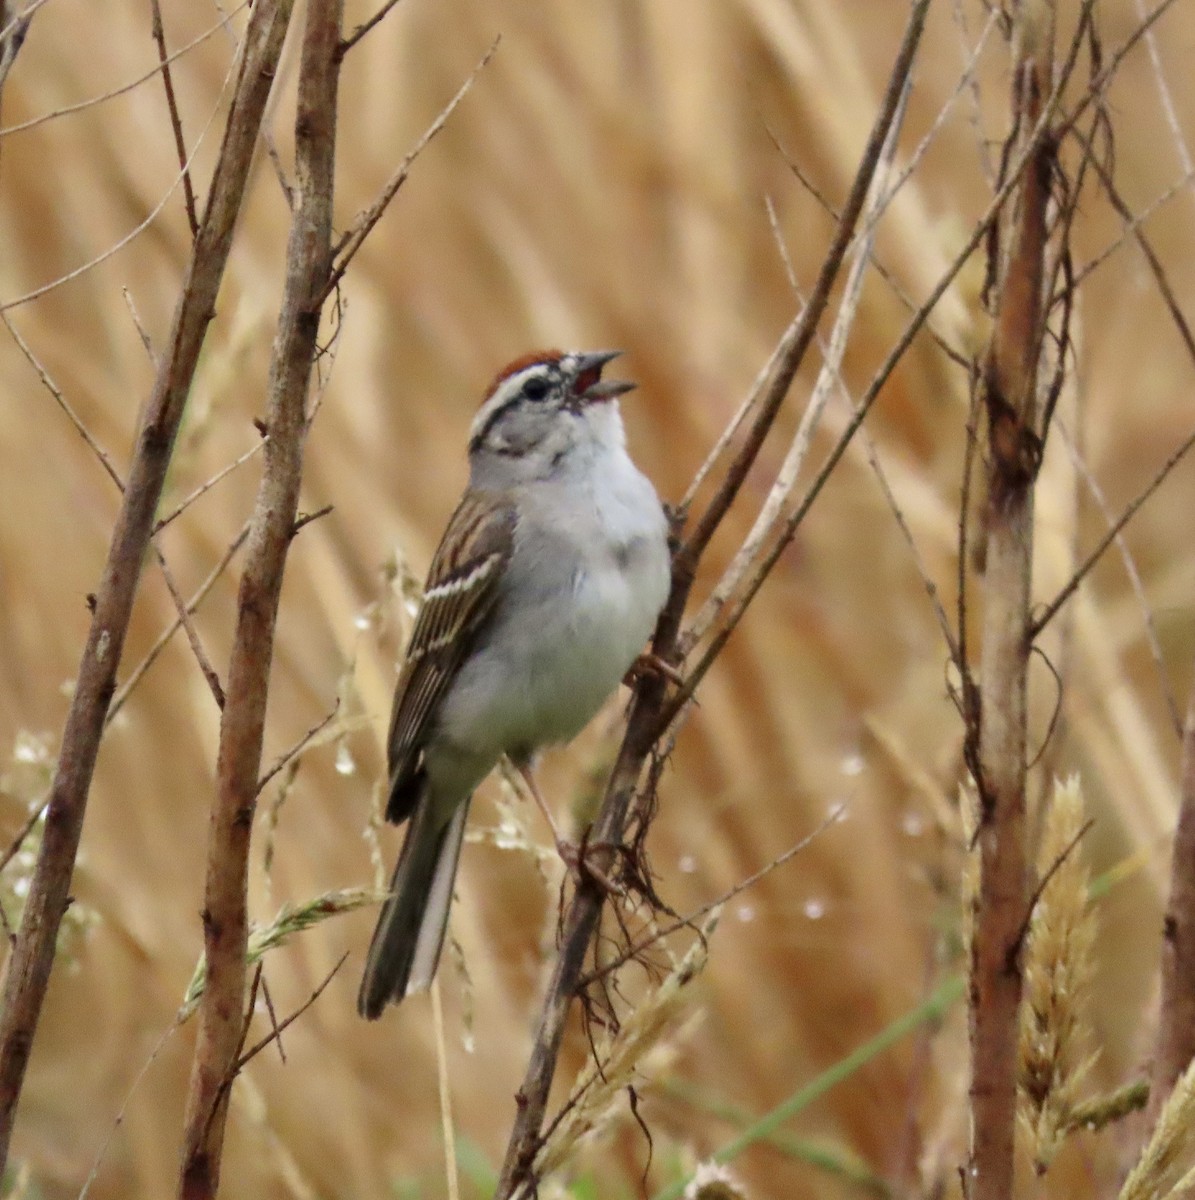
(603, 184)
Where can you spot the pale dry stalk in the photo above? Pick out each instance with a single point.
(997, 731)
(33, 951)
(238, 764)
(1175, 1046)
(829, 380)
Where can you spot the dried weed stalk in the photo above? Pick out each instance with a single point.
(1008, 381)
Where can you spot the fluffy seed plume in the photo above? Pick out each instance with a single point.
(1056, 1035)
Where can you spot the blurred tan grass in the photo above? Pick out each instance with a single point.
(603, 185)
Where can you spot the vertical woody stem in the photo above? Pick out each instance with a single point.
(225, 916)
(1009, 381)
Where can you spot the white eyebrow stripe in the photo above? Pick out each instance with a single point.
(504, 393)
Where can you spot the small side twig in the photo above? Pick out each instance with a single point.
(19, 838)
(285, 759)
(689, 920)
(151, 656)
(280, 1027)
(362, 29)
(354, 237)
(176, 122)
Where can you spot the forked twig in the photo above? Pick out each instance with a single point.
(151, 655)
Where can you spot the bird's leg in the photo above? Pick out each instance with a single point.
(524, 769)
(652, 664)
(577, 859)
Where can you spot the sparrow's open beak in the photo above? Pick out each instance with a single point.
(590, 386)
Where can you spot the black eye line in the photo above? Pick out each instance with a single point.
(483, 433)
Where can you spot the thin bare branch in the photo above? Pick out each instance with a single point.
(192, 605)
(836, 815)
(362, 29)
(1130, 228)
(881, 268)
(66, 111)
(305, 519)
(1051, 609)
(118, 1120)
(1148, 622)
(281, 1026)
(285, 759)
(176, 121)
(352, 240)
(828, 381)
(207, 485)
(19, 837)
(184, 614)
(83, 268)
(139, 325)
(728, 434)
(193, 638)
(63, 403)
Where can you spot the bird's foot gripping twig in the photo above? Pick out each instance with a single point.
(652, 664)
(580, 858)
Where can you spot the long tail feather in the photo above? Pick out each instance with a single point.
(410, 932)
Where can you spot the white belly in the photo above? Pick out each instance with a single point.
(579, 603)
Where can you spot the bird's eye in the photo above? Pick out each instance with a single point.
(535, 389)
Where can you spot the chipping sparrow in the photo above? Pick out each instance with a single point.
(546, 585)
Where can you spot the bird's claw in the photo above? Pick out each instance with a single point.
(652, 664)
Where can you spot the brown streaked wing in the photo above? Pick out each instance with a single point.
(459, 594)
